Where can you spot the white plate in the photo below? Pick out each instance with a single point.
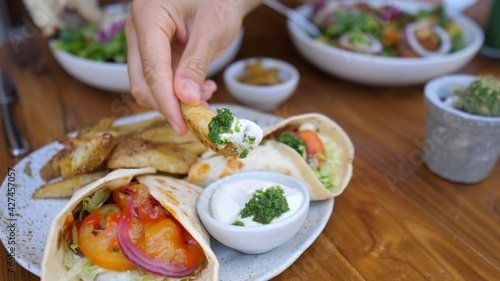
(32, 218)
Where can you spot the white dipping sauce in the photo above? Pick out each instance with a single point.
(228, 200)
(245, 135)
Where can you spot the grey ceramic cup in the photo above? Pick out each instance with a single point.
(459, 146)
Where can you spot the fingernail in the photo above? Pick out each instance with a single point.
(193, 90)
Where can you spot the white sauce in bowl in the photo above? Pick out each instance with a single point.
(228, 200)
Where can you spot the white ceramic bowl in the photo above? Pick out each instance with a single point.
(114, 77)
(254, 239)
(264, 98)
(385, 71)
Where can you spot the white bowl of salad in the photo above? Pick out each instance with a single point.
(397, 44)
(96, 54)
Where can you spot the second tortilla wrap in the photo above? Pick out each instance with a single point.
(275, 156)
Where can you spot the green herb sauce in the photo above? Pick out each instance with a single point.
(238, 223)
(220, 124)
(266, 205)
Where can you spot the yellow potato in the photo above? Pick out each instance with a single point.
(88, 157)
(66, 187)
(139, 153)
(198, 118)
(52, 168)
(162, 132)
(134, 128)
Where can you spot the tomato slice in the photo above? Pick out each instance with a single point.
(157, 237)
(167, 240)
(146, 207)
(97, 239)
(121, 197)
(314, 144)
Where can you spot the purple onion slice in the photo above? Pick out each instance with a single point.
(422, 29)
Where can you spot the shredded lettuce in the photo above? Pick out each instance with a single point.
(328, 170)
(74, 238)
(94, 202)
(80, 268)
(142, 275)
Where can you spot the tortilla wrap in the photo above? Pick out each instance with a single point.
(176, 196)
(275, 156)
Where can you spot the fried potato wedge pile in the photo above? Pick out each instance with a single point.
(96, 150)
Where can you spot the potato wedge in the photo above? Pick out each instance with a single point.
(52, 169)
(133, 128)
(196, 147)
(162, 132)
(105, 125)
(197, 119)
(66, 187)
(89, 157)
(139, 153)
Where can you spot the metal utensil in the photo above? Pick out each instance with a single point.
(294, 16)
(16, 143)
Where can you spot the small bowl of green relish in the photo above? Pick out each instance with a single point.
(254, 212)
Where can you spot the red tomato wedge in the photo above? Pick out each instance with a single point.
(313, 143)
(155, 241)
(167, 240)
(121, 197)
(98, 242)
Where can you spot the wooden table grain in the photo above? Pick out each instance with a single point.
(395, 221)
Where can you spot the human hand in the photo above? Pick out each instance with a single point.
(170, 46)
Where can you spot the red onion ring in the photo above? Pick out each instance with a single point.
(415, 45)
(136, 256)
(374, 48)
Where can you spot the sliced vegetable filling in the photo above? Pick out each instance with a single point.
(127, 229)
(320, 155)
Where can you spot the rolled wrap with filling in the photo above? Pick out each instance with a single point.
(310, 147)
(135, 211)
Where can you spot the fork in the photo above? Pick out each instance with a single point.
(294, 16)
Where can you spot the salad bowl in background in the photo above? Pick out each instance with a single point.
(113, 76)
(383, 70)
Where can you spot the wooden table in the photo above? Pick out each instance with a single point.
(395, 221)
